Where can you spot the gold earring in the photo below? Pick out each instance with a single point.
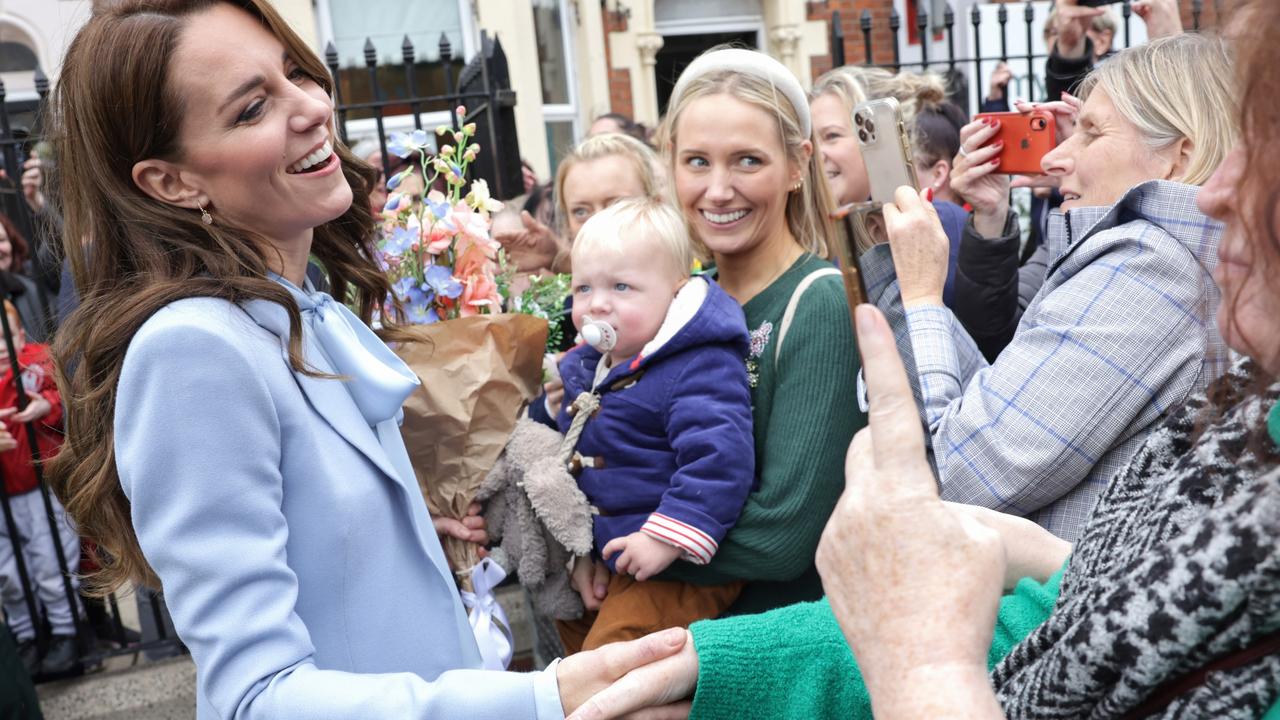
(205, 217)
(797, 185)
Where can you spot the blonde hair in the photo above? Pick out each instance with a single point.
(915, 92)
(807, 207)
(640, 156)
(1173, 88)
(638, 220)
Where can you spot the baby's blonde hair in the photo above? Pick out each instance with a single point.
(638, 220)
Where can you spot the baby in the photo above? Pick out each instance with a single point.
(668, 457)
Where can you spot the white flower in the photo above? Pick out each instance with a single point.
(480, 199)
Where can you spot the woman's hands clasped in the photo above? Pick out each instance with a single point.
(644, 679)
(914, 584)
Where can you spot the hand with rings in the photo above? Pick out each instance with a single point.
(974, 177)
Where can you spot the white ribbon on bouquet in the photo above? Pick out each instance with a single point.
(488, 621)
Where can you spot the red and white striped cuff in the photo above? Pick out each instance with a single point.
(698, 546)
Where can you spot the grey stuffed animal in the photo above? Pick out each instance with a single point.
(538, 518)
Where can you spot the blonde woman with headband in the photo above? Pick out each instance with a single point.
(745, 173)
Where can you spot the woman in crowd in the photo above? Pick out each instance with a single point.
(254, 465)
(1177, 573)
(1121, 330)
(33, 306)
(933, 121)
(597, 172)
(741, 148)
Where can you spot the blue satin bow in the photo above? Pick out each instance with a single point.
(379, 382)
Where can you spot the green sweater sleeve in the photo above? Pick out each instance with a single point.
(794, 661)
(813, 415)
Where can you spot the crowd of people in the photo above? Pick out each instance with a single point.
(1035, 473)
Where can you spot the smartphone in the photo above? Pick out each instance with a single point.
(886, 147)
(850, 222)
(1027, 137)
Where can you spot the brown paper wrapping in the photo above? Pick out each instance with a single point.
(477, 374)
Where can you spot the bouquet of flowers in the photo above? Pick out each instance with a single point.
(479, 365)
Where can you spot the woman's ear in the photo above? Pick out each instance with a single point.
(161, 180)
(806, 154)
(1180, 155)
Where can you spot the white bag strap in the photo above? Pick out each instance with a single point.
(789, 314)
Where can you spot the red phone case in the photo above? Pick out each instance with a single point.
(1027, 137)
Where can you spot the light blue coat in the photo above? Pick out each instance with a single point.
(296, 552)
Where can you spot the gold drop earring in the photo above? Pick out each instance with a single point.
(205, 217)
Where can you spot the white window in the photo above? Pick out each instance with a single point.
(559, 86)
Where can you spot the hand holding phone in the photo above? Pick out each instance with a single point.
(1025, 139)
(886, 147)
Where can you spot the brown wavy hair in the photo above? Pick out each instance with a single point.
(132, 255)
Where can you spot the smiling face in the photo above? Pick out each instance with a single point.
(592, 185)
(256, 138)
(1105, 156)
(624, 286)
(841, 157)
(1246, 265)
(732, 175)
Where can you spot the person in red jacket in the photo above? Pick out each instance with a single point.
(44, 411)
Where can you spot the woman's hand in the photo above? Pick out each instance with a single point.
(1030, 551)
(1064, 123)
(1073, 25)
(621, 677)
(1161, 16)
(469, 529)
(974, 177)
(914, 584)
(660, 686)
(33, 183)
(590, 578)
(920, 247)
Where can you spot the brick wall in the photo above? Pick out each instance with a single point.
(619, 80)
(851, 21)
(1213, 14)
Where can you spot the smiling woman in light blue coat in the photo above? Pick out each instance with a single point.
(233, 434)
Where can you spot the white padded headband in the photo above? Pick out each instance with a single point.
(752, 63)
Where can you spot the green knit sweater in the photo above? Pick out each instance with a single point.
(805, 413)
(794, 662)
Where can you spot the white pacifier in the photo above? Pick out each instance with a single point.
(599, 334)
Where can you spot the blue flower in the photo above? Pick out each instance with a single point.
(400, 242)
(439, 210)
(393, 203)
(394, 182)
(441, 283)
(403, 145)
(421, 313)
(457, 169)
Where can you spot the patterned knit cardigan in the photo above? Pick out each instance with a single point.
(1179, 564)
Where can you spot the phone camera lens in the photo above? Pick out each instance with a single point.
(857, 119)
(862, 135)
(871, 127)
(1038, 123)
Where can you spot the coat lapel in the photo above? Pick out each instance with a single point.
(326, 395)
